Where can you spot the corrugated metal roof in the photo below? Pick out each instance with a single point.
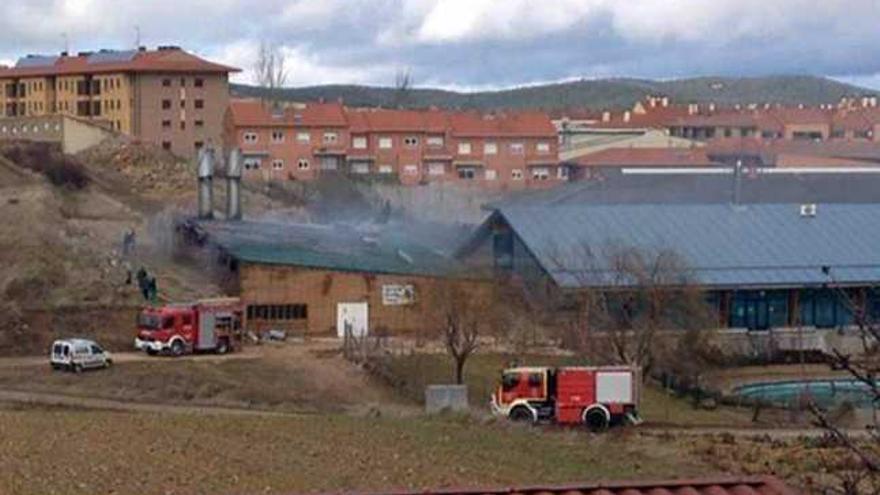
(333, 247)
(722, 245)
(752, 485)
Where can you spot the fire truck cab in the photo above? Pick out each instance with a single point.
(207, 325)
(596, 397)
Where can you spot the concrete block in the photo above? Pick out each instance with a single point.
(439, 398)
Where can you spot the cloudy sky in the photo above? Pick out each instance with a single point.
(475, 44)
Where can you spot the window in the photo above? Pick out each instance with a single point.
(330, 137)
(182, 125)
(166, 82)
(385, 143)
(166, 124)
(543, 147)
(166, 145)
(410, 169)
(360, 167)
(277, 137)
(359, 142)
(517, 148)
(467, 173)
(302, 164)
(386, 169)
(199, 104)
(411, 141)
(278, 164)
(490, 148)
(516, 174)
(464, 148)
(199, 123)
(166, 104)
(182, 103)
(252, 163)
(562, 173)
(199, 82)
(198, 145)
(540, 173)
(436, 169)
(434, 141)
(302, 137)
(250, 137)
(182, 82)
(278, 312)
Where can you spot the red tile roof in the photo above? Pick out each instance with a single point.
(255, 113)
(636, 157)
(165, 60)
(508, 124)
(384, 120)
(752, 485)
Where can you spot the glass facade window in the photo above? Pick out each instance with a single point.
(758, 309)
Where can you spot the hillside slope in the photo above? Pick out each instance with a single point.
(598, 93)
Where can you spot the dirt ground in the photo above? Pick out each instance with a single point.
(104, 452)
(279, 377)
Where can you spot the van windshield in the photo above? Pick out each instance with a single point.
(149, 321)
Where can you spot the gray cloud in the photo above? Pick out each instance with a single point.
(476, 43)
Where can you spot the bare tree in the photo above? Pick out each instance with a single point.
(402, 87)
(626, 297)
(861, 473)
(270, 72)
(464, 316)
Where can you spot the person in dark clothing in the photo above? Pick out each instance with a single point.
(143, 283)
(152, 290)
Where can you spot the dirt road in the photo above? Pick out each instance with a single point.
(135, 357)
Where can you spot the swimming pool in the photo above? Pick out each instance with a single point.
(826, 393)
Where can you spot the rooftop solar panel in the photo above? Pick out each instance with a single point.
(111, 56)
(37, 61)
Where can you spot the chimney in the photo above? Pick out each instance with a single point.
(737, 181)
(233, 185)
(206, 181)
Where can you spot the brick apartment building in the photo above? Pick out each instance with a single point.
(165, 96)
(299, 142)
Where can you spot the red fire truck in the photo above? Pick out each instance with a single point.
(596, 397)
(212, 325)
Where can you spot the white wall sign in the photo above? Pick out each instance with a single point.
(398, 294)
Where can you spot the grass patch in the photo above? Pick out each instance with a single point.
(183, 454)
(413, 372)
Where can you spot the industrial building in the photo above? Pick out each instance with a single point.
(762, 265)
(319, 279)
(165, 96)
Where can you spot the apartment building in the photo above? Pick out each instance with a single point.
(299, 142)
(165, 96)
(295, 142)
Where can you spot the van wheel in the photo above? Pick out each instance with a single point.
(521, 414)
(596, 420)
(222, 346)
(177, 348)
(77, 368)
(108, 363)
(152, 352)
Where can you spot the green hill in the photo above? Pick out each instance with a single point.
(598, 93)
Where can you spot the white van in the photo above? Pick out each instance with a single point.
(77, 355)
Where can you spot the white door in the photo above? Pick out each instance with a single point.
(353, 316)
